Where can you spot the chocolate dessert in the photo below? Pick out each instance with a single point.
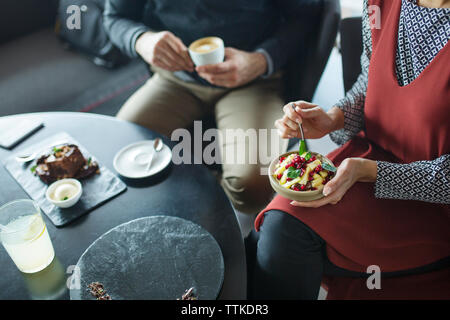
(64, 161)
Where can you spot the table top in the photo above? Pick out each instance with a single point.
(199, 198)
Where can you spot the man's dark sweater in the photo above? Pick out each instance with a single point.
(279, 28)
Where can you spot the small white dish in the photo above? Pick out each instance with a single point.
(64, 188)
(131, 161)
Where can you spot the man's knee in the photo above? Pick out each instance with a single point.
(248, 189)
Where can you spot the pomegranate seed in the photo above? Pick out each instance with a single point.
(289, 179)
(279, 176)
(282, 159)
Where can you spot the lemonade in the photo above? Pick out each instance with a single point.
(27, 241)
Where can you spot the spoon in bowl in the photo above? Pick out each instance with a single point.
(302, 147)
(157, 147)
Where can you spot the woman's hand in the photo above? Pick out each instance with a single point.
(350, 171)
(165, 50)
(316, 122)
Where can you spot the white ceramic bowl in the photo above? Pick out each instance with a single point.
(64, 203)
(302, 196)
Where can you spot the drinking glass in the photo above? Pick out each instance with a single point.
(24, 235)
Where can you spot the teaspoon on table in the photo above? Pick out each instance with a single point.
(157, 147)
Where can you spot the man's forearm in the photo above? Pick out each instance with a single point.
(121, 22)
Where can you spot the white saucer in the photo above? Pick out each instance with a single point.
(131, 161)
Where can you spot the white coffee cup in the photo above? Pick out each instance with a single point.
(209, 50)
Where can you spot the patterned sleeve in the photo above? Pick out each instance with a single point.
(427, 181)
(353, 103)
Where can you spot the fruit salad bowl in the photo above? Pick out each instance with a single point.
(300, 177)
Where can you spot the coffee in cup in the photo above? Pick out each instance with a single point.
(209, 50)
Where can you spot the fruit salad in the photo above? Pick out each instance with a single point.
(306, 172)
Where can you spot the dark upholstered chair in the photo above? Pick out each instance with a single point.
(351, 50)
(307, 70)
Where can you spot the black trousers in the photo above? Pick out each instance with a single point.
(287, 260)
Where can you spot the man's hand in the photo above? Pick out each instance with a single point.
(164, 50)
(239, 68)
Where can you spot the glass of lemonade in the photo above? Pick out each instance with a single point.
(24, 235)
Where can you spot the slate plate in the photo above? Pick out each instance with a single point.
(152, 258)
(96, 189)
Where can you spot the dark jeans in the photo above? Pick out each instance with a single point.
(287, 259)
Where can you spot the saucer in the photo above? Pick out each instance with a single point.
(131, 161)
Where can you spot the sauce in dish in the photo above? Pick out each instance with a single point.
(64, 191)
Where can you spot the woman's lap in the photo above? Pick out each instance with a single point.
(287, 260)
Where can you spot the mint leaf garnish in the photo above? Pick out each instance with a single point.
(293, 173)
(302, 147)
(328, 167)
(308, 156)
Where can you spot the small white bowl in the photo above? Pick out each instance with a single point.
(64, 203)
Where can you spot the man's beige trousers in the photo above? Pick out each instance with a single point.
(165, 103)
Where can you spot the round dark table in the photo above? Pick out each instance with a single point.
(187, 191)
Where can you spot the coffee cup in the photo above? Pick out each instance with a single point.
(209, 50)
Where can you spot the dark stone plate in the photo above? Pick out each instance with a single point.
(152, 258)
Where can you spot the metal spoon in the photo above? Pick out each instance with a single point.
(302, 148)
(157, 147)
(30, 157)
(26, 158)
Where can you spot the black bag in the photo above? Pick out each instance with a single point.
(81, 27)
